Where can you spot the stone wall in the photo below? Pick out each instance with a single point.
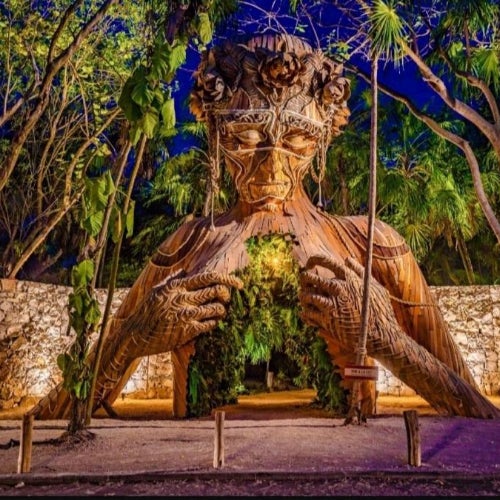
(34, 330)
(473, 315)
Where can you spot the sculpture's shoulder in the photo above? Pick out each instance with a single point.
(386, 240)
(182, 242)
(170, 256)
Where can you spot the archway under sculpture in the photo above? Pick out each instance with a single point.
(272, 105)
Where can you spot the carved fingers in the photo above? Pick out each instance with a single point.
(190, 313)
(203, 280)
(340, 269)
(195, 328)
(337, 267)
(332, 301)
(180, 308)
(331, 297)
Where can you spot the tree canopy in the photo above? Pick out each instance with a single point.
(84, 85)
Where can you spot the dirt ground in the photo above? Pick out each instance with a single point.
(275, 444)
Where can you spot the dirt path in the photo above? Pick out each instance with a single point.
(274, 445)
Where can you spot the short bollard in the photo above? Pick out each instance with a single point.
(219, 440)
(413, 437)
(24, 460)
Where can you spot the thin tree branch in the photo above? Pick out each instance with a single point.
(51, 71)
(460, 142)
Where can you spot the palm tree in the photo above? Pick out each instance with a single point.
(420, 192)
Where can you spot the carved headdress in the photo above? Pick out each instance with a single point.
(271, 71)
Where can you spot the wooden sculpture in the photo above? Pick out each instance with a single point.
(272, 105)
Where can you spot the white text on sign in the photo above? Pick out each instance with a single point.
(361, 372)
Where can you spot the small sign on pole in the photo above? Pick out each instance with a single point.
(361, 372)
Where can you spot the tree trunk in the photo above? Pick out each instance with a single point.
(52, 69)
(77, 416)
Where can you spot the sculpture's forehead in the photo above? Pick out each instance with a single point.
(269, 120)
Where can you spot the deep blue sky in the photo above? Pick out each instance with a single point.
(272, 15)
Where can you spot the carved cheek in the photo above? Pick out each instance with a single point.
(298, 164)
(235, 168)
(297, 168)
(240, 167)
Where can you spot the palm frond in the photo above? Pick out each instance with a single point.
(387, 30)
(486, 64)
(418, 237)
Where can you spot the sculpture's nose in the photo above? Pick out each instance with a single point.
(272, 165)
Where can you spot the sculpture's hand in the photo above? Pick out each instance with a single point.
(334, 303)
(178, 309)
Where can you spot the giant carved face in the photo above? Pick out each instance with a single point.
(269, 102)
(267, 153)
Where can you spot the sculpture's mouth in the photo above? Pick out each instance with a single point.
(260, 190)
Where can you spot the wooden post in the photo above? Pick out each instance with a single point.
(413, 437)
(270, 380)
(24, 460)
(219, 440)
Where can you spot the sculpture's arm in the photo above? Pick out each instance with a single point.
(177, 310)
(394, 266)
(171, 314)
(334, 305)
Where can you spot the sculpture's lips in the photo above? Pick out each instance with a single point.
(265, 189)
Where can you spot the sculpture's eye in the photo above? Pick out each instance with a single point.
(299, 142)
(250, 137)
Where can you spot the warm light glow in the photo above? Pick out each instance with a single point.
(274, 262)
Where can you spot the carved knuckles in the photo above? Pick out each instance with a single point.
(334, 305)
(178, 310)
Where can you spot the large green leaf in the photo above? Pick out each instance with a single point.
(135, 133)
(176, 58)
(204, 27)
(160, 66)
(76, 303)
(130, 108)
(168, 116)
(93, 222)
(117, 226)
(129, 219)
(142, 94)
(82, 273)
(98, 190)
(93, 313)
(149, 121)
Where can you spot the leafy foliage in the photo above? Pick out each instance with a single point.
(424, 190)
(263, 319)
(146, 100)
(84, 315)
(74, 132)
(326, 379)
(266, 309)
(386, 29)
(215, 371)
